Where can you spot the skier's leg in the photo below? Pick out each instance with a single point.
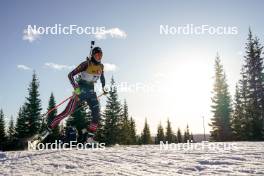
(68, 110)
(95, 111)
(89, 132)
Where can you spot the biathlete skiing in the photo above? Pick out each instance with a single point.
(87, 73)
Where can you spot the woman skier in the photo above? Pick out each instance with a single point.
(88, 73)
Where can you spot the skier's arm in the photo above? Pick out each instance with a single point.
(82, 67)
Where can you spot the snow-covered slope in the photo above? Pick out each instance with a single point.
(247, 159)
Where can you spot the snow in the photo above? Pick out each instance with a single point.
(246, 159)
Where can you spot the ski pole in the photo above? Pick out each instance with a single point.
(100, 95)
(64, 102)
(49, 111)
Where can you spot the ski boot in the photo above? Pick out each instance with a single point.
(88, 137)
(40, 137)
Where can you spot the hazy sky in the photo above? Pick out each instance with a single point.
(173, 73)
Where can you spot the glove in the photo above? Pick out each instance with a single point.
(77, 91)
(105, 91)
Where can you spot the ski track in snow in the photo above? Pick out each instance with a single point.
(247, 159)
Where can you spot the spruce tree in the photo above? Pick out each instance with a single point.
(2, 129)
(191, 138)
(237, 116)
(11, 142)
(160, 134)
(221, 108)
(52, 103)
(33, 107)
(254, 70)
(186, 136)
(169, 133)
(125, 133)
(244, 115)
(22, 125)
(99, 135)
(11, 129)
(179, 136)
(50, 117)
(145, 136)
(112, 116)
(132, 128)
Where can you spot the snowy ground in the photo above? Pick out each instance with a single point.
(246, 159)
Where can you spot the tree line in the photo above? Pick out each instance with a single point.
(115, 126)
(243, 117)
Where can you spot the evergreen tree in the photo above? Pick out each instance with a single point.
(133, 131)
(29, 121)
(169, 133)
(139, 141)
(179, 136)
(22, 127)
(125, 133)
(2, 129)
(244, 116)
(11, 129)
(33, 107)
(174, 138)
(112, 116)
(145, 136)
(221, 108)
(239, 116)
(99, 136)
(11, 143)
(160, 134)
(254, 70)
(186, 136)
(191, 138)
(56, 131)
(52, 103)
